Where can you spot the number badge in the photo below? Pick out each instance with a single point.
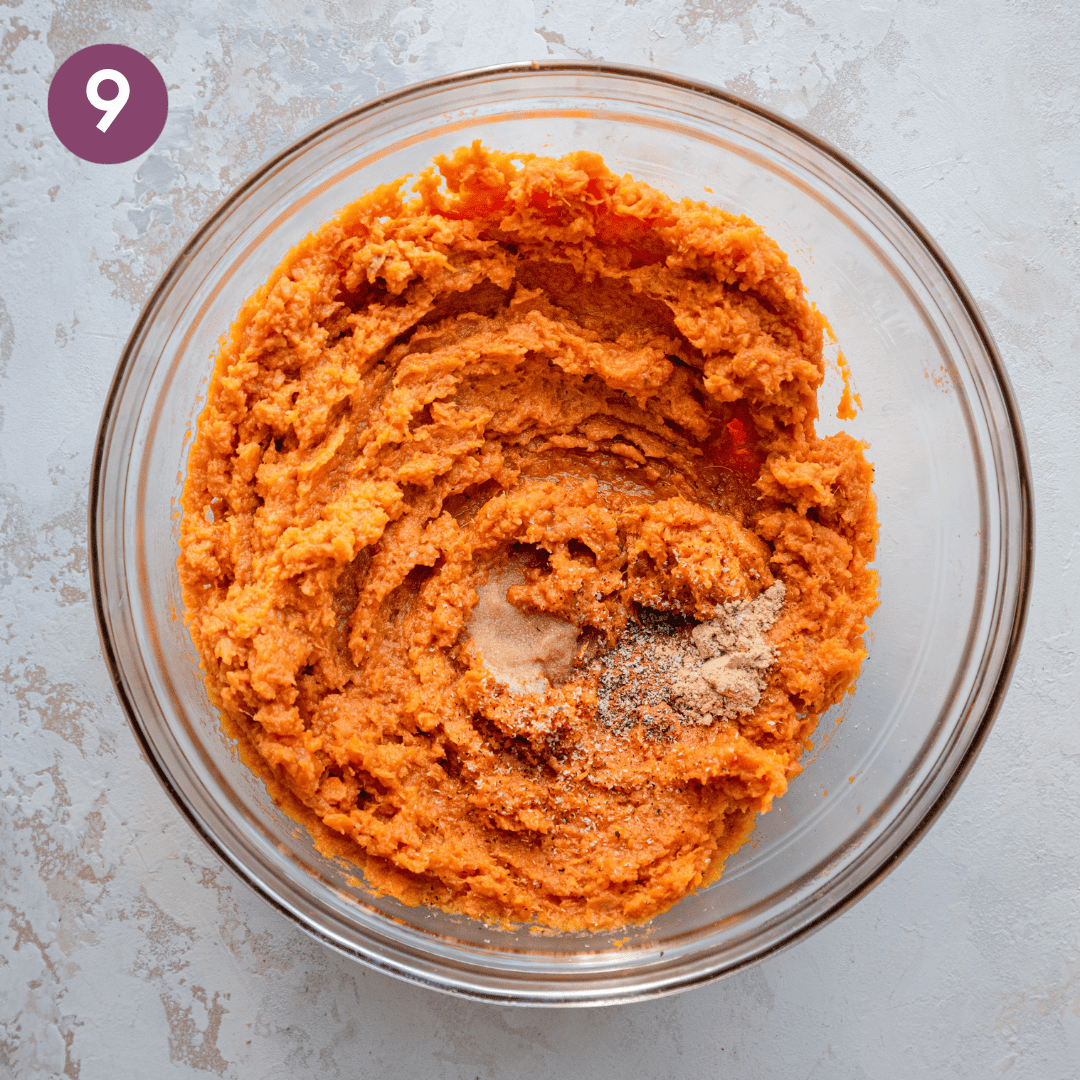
(108, 104)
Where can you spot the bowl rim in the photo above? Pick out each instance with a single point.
(1024, 554)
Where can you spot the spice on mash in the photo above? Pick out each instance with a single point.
(511, 554)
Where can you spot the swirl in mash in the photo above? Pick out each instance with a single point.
(474, 442)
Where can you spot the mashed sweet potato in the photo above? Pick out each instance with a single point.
(480, 465)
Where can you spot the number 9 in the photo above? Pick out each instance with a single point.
(111, 107)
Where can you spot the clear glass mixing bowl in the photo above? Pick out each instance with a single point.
(951, 480)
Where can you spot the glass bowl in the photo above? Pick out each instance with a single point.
(951, 480)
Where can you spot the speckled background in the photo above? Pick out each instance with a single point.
(127, 950)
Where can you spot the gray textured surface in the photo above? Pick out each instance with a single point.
(126, 950)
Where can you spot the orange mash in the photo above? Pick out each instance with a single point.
(481, 465)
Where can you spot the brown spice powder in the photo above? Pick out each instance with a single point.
(659, 673)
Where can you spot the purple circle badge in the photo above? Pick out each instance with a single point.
(108, 104)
